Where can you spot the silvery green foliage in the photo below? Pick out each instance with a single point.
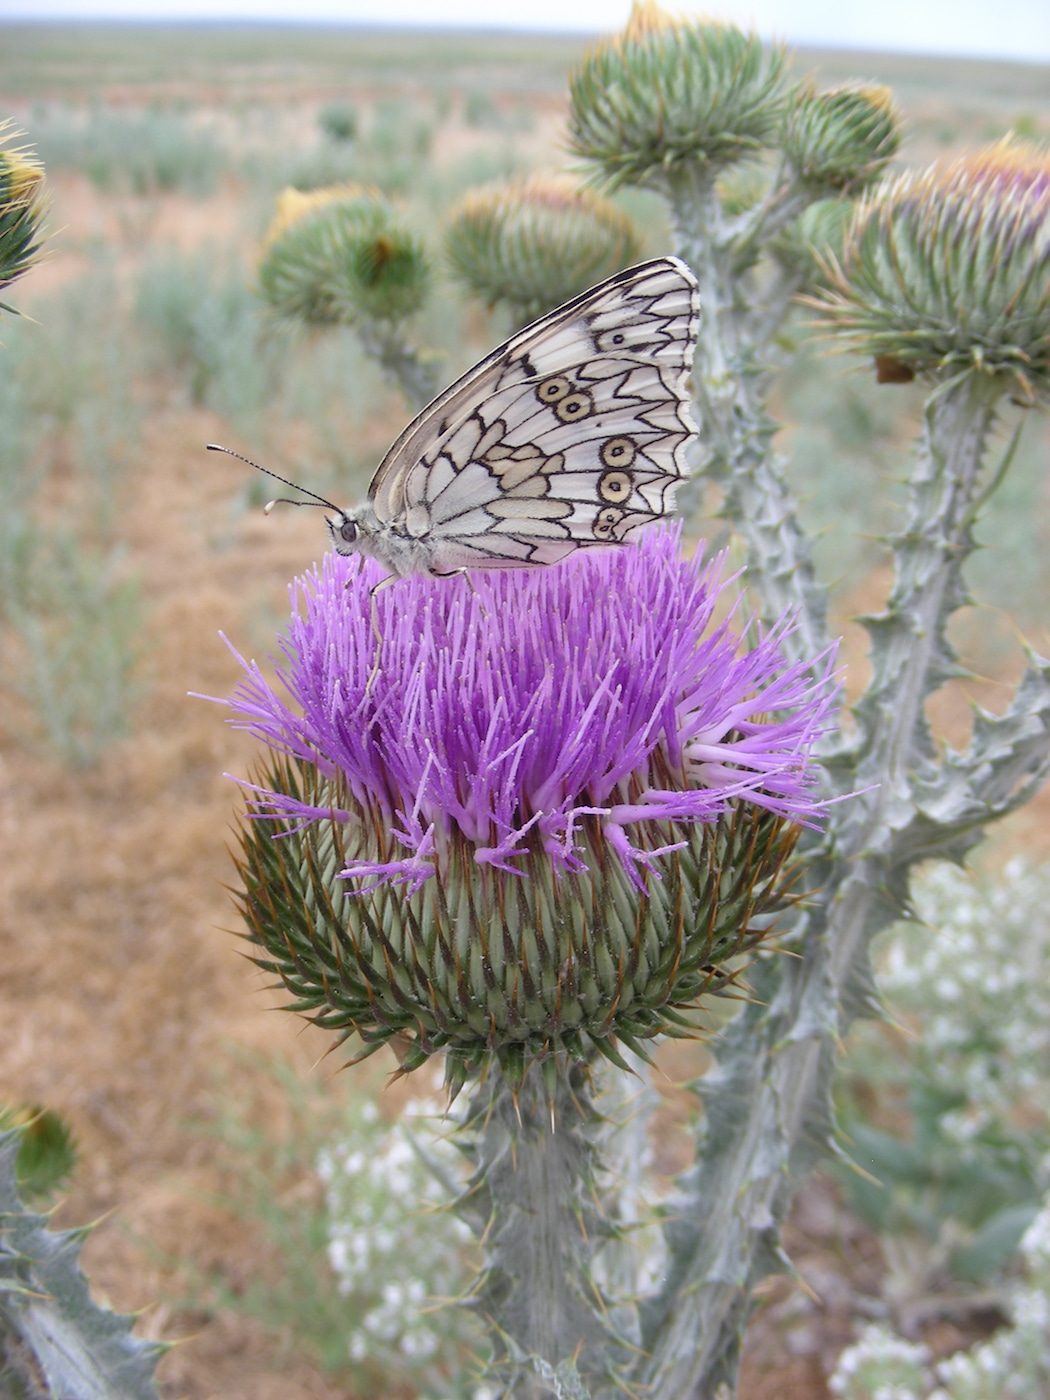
(397, 1253)
(882, 1364)
(974, 949)
(55, 1342)
(768, 1113)
(1014, 1364)
(953, 1195)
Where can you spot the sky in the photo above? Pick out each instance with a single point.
(1018, 29)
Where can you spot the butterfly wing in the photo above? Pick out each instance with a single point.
(573, 433)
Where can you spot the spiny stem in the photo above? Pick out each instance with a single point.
(730, 383)
(413, 372)
(531, 1200)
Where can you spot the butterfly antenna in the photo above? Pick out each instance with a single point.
(283, 500)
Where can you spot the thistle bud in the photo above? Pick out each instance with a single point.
(340, 254)
(535, 243)
(22, 210)
(546, 815)
(812, 243)
(841, 139)
(669, 92)
(948, 269)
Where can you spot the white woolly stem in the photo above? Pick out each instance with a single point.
(412, 371)
(532, 1201)
(730, 382)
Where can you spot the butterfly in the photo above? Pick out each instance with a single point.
(573, 433)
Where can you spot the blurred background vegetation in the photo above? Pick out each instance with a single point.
(123, 548)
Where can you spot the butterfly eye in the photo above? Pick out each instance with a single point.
(573, 407)
(552, 390)
(618, 452)
(605, 521)
(615, 487)
(348, 531)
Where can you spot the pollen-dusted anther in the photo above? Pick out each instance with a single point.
(551, 814)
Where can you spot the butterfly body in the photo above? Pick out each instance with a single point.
(574, 433)
(358, 531)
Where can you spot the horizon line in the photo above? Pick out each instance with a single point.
(454, 27)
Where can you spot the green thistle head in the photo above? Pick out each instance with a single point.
(22, 209)
(337, 255)
(841, 139)
(489, 963)
(670, 92)
(948, 269)
(535, 243)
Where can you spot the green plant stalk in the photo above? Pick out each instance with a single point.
(531, 1199)
(730, 378)
(414, 372)
(768, 1111)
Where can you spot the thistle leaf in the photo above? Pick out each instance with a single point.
(55, 1341)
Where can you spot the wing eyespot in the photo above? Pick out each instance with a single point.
(615, 487)
(618, 452)
(605, 522)
(553, 390)
(573, 407)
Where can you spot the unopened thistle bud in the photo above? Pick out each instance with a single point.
(545, 815)
(668, 92)
(841, 139)
(22, 209)
(813, 241)
(535, 243)
(340, 254)
(948, 269)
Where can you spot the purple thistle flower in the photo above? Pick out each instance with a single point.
(523, 699)
(484, 770)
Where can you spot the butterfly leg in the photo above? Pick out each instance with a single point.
(377, 588)
(464, 573)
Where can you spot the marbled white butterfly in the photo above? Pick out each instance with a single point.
(572, 433)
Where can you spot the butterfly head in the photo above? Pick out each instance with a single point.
(351, 530)
(345, 532)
